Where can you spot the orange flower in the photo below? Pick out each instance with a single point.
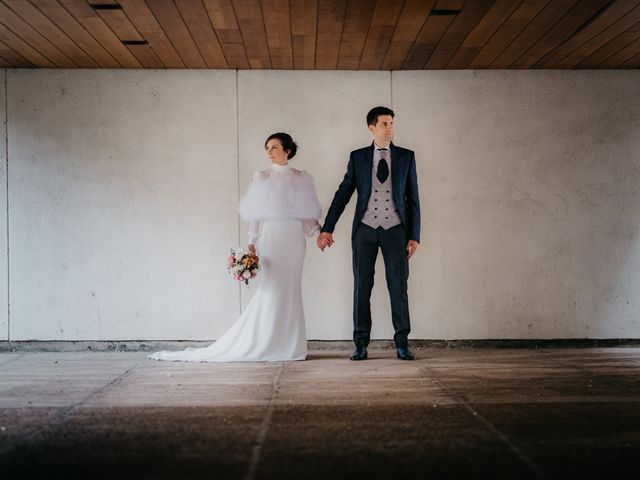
(249, 260)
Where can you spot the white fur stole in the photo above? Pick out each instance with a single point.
(272, 195)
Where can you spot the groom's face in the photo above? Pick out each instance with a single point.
(383, 130)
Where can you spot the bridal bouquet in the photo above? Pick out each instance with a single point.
(242, 265)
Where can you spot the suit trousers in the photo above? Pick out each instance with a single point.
(365, 244)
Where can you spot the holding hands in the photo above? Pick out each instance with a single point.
(324, 240)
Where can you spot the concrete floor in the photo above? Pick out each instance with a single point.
(453, 413)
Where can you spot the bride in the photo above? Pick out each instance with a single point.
(281, 206)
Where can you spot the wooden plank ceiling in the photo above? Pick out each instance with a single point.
(320, 34)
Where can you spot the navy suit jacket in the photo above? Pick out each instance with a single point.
(404, 183)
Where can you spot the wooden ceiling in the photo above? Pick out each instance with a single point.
(320, 34)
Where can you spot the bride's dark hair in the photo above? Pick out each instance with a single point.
(287, 143)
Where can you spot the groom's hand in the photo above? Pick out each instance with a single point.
(412, 246)
(325, 239)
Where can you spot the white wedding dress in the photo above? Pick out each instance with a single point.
(272, 327)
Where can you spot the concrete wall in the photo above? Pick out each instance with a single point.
(123, 191)
(532, 202)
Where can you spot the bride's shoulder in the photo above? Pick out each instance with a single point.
(307, 177)
(264, 174)
(261, 174)
(300, 173)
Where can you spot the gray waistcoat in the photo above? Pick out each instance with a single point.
(381, 211)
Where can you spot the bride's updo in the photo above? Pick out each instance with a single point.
(287, 142)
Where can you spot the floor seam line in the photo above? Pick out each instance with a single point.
(501, 436)
(264, 427)
(13, 359)
(103, 389)
(61, 417)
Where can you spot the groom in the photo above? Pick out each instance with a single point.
(387, 217)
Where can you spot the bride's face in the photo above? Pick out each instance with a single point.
(276, 153)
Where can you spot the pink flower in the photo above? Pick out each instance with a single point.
(230, 259)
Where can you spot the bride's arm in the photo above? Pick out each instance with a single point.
(255, 228)
(311, 227)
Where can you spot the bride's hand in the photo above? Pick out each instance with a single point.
(252, 248)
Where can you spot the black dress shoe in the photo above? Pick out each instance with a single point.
(360, 353)
(404, 353)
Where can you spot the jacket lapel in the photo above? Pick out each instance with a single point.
(368, 168)
(396, 168)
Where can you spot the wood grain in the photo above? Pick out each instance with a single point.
(43, 25)
(13, 58)
(278, 29)
(168, 16)
(304, 26)
(430, 34)
(13, 22)
(223, 18)
(98, 29)
(145, 22)
(539, 26)
(508, 31)
(412, 18)
(482, 32)
(330, 21)
(455, 35)
(354, 33)
(61, 18)
(383, 22)
(593, 44)
(564, 29)
(612, 14)
(320, 34)
(616, 52)
(204, 36)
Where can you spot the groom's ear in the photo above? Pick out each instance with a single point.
(372, 129)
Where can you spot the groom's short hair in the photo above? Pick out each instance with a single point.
(375, 112)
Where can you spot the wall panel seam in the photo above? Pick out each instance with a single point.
(238, 179)
(6, 171)
(391, 88)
